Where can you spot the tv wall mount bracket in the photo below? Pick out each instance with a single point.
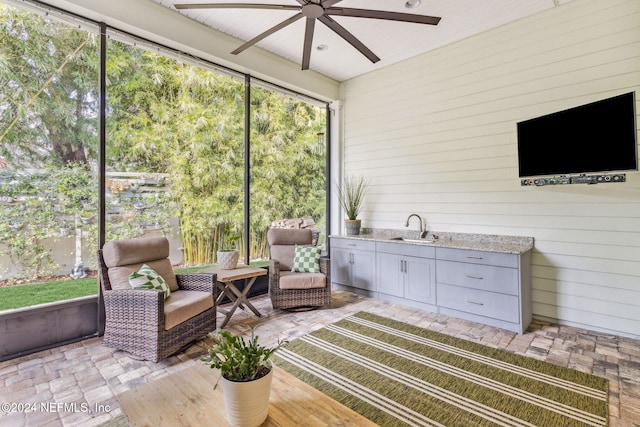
(579, 179)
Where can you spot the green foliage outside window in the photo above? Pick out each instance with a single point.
(163, 116)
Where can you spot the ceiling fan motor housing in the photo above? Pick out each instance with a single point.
(312, 10)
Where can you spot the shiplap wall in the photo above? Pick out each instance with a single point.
(436, 135)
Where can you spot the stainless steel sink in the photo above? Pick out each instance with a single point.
(421, 241)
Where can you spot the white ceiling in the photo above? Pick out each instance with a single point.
(391, 41)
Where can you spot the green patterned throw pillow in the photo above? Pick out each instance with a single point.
(148, 278)
(306, 259)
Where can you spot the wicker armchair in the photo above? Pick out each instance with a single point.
(297, 290)
(142, 322)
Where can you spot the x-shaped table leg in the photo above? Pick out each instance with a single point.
(233, 293)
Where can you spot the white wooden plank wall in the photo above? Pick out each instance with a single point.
(436, 135)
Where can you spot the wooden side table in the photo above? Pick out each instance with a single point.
(225, 282)
(187, 398)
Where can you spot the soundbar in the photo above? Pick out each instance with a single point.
(580, 179)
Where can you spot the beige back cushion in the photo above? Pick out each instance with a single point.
(282, 243)
(123, 257)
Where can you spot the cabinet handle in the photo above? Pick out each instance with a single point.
(352, 244)
(474, 257)
(475, 302)
(475, 277)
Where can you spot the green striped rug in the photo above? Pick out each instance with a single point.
(397, 374)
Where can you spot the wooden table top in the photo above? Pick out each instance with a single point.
(238, 273)
(187, 398)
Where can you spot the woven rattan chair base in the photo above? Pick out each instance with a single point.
(134, 320)
(158, 345)
(299, 298)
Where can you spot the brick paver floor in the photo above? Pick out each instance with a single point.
(77, 384)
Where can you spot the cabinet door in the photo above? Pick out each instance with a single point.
(420, 279)
(341, 266)
(363, 269)
(390, 274)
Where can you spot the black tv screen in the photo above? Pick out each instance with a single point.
(595, 137)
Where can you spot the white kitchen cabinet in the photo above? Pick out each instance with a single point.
(486, 287)
(353, 265)
(407, 272)
(490, 287)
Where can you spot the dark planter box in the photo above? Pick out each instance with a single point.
(31, 329)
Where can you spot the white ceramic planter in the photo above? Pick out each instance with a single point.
(228, 260)
(247, 403)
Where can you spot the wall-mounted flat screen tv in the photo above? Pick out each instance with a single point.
(595, 137)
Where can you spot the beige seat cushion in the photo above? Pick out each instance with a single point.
(291, 280)
(183, 305)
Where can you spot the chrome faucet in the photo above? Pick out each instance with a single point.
(423, 232)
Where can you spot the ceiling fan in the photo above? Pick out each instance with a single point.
(313, 10)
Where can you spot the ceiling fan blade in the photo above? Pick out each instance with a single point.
(308, 40)
(381, 14)
(267, 33)
(329, 3)
(234, 6)
(350, 38)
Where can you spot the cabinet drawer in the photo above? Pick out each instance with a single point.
(478, 257)
(482, 303)
(483, 277)
(346, 243)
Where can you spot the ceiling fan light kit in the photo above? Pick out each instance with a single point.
(412, 4)
(319, 10)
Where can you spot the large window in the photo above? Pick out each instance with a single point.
(288, 162)
(175, 138)
(48, 145)
(176, 151)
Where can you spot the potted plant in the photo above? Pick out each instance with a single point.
(139, 206)
(228, 255)
(351, 196)
(86, 217)
(15, 224)
(65, 228)
(245, 374)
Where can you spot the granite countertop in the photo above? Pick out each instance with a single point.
(480, 242)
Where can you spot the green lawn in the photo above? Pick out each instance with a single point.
(40, 293)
